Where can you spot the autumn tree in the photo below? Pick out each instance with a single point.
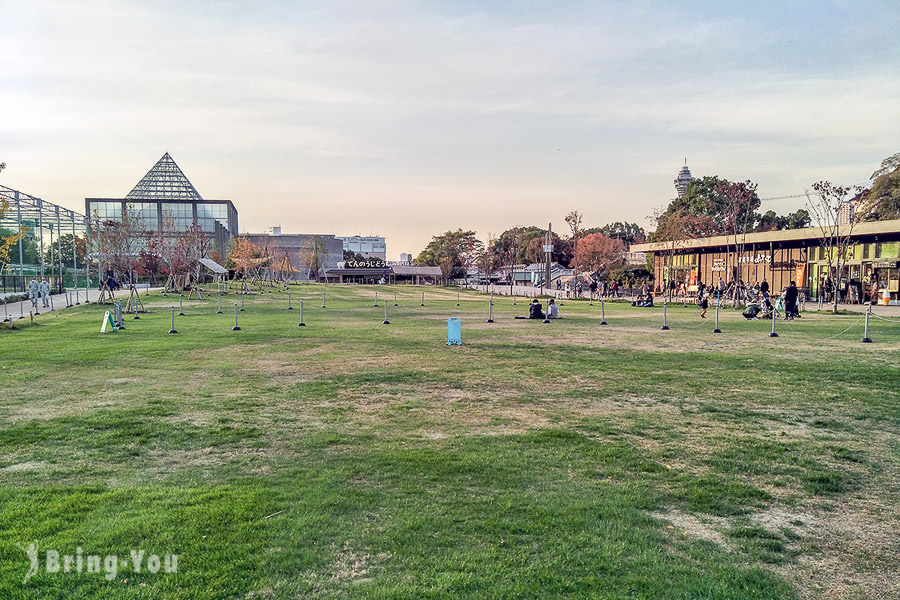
(190, 246)
(674, 228)
(246, 257)
(600, 253)
(7, 240)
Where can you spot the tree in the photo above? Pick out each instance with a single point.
(246, 257)
(312, 257)
(770, 221)
(825, 204)
(452, 251)
(884, 197)
(192, 245)
(629, 233)
(487, 259)
(739, 203)
(7, 239)
(573, 219)
(600, 253)
(674, 228)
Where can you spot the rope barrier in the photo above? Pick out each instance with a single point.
(888, 319)
(831, 337)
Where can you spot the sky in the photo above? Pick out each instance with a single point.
(407, 119)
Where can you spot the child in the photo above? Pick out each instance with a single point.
(704, 305)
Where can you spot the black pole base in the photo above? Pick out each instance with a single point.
(664, 328)
(395, 304)
(546, 321)
(773, 334)
(301, 324)
(235, 328)
(240, 310)
(866, 340)
(717, 330)
(421, 305)
(604, 323)
(173, 331)
(181, 314)
(290, 308)
(385, 322)
(219, 312)
(489, 321)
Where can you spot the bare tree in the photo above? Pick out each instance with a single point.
(574, 221)
(826, 204)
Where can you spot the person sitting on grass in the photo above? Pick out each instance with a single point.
(535, 311)
(553, 310)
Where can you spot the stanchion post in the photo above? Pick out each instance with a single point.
(423, 299)
(772, 333)
(323, 299)
(235, 328)
(242, 301)
(289, 302)
(173, 330)
(180, 305)
(717, 330)
(665, 325)
(219, 308)
(376, 300)
(490, 318)
(385, 322)
(865, 338)
(395, 299)
(602, 313)
(301, 323)
(457, 297)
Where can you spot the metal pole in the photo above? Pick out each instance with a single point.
(22, 309)
(491, 308)
(395, 299)
(77, 299)
(457, 298)
(376, 299)
(5, 312)
(235, 328)
(180, 305)
(219, 310)
(866, 339)
(385, 322)
(773, 334)
(173, 330)
(665, 325)
(242, 301)
(423, 299)
(602, 313)
(717, 330)
(74, 258)
(323, 299)
(40, 204)
(301, 324)
(289, 302)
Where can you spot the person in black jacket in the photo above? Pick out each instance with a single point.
(535, 312)
(790, 301)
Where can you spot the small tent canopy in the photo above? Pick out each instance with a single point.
(213, 266)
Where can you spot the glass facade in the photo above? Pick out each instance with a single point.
(208, 214)
(106, 211)
(147, 212)
(183, 213)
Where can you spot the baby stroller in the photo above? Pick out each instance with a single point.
(752, 311)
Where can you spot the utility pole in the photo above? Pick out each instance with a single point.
(548, 253)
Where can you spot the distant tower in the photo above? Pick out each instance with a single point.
(683, 179)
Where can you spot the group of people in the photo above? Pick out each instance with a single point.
(536, 310)
(39, 291)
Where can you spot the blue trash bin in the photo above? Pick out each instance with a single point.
(454, 331)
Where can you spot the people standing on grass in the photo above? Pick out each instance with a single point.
(45, 292)
(704, 306)
(615, 289)
(593, 288)
(790, 302)
(34, 290)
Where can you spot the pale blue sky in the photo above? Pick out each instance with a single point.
(406, 119)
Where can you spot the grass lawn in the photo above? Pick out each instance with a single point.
(351, 459)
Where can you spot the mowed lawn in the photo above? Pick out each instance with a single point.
(352, 459)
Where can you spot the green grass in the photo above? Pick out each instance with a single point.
(351, 459)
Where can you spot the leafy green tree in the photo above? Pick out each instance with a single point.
(629, 233)
(453, 252)
(770, 221)
(884, 196)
